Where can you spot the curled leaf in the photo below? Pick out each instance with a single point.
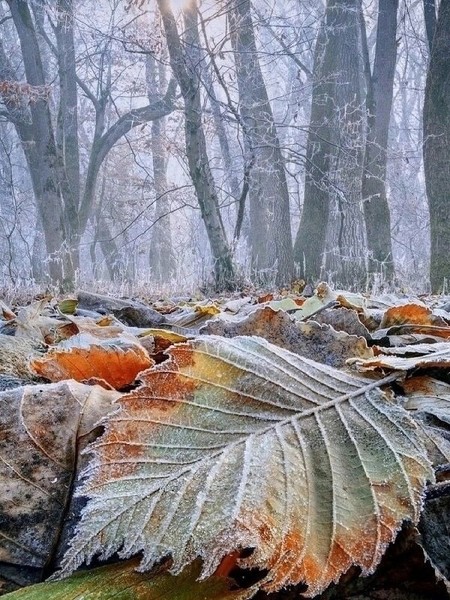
(344, 319)
(428, 399)
(412, 314)
(68, 306)
(439, 359)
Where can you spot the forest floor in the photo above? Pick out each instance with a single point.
(294, 440)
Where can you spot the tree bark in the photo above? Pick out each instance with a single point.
(270, 229)
(40, 150)
(104, 236)
(321, 146)
(67, 124)
(436, 123)
(429, 13)
(380, 85)
(231, 182)
(346, 248)
(161, 257)
(184, 64)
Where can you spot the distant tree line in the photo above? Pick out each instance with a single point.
(278, 134)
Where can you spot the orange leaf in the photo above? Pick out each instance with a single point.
(82, 357)
(411, 314)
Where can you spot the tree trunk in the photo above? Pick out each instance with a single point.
(161, 256)
(321, 146)
(104, 236)
(67, 125)
(38, 254)
(270, 229)
(380, 85)
(40, 151)
(436, 122)
(231, 180)
(346, 244)
(184, 64)
(429, 13)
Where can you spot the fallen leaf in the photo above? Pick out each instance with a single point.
(192, 316)
(323, 298)
(439, 360)
(284, 304)
(412, 314)
(406, 343)
(235, 444)
(68, 306)
(318, 342)
(344, 319)
(404, 573)
(209, 308)
(15, 354)
(6, 313)
(346, 299)
(122, 581)
(240, 305)
(116, 360)
(265, 298)
(104, 328)
(416, 349)
(157, 341)
(130, 312)
(41, 429)
(433, 330)
(371, 318)
(428, 399)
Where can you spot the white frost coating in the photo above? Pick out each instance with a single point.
(212, 470)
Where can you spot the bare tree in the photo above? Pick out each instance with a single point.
(270, 229)
(436, 123)
(184, 60)
(335, 94)
(51, 148)
(380, 82)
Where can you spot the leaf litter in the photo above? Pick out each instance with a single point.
(308, 443)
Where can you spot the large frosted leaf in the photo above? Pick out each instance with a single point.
(241, 444)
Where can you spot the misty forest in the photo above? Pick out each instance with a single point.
(225, 299)
(180, 144)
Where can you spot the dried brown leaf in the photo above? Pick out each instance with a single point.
(41, 428)
(318, 342)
